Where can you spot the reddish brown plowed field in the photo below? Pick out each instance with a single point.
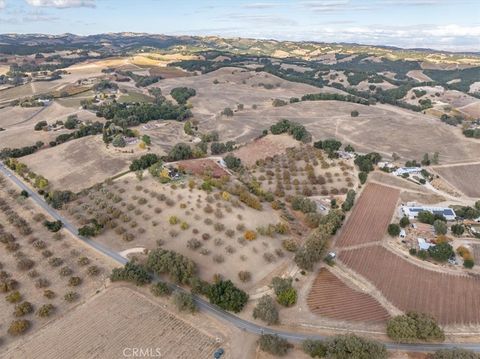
(370, 217)
(202, 167)
(449, 298)
(332, 298)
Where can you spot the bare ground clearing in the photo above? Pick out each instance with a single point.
(75, 164)
(464, 177)
(267, 146)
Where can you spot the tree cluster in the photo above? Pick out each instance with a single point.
(182, 94)
(413, 327)
(227, 296)
(297, 131)
(131, 272)
(179, 268)
(347, 346)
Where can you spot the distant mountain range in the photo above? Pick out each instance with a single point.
(125, 41)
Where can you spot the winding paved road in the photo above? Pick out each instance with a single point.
(206, 306)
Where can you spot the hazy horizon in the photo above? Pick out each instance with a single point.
(434, 24)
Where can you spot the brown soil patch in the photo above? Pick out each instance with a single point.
(332, 298)
(168, 72)
(202, 167)
(449, 298)
(370, 217)
(264, 147)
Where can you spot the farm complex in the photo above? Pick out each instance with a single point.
(199, 197)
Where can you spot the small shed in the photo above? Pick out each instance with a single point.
(423, 244)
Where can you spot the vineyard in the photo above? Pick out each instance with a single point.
(114, 320)
(332, 298)
(450, 299)
(370, 217)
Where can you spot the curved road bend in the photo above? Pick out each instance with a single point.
(206, 306)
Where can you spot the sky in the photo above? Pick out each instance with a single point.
(452, 25)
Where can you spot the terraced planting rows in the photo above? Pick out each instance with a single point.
(118, 318)
(451, 299)
(332, 298)
(370, 217)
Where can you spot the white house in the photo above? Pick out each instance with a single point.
(384, 164)
(407, 170)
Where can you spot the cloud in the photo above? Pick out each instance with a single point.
(332, 6)
(260, 5)
(61, 4)
(259, 19)
(38, 16)
(422, 2)
(2, 4)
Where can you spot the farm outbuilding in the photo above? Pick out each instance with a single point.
(412, 212)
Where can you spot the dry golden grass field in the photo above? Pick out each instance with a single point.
(19, 123)
(382, 128)
(464, 177)
(75, 164)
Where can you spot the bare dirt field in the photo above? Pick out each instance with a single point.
(202, 167)
(209, 228)
(164, 135)
(395, 181)
(410, 192)
(116, 319)
(56, 258)
(472, 109)
(411, 287)
(418, 75)
(10, 116)
(464, 177)
(74, 165)
(332, 298)
(370, 216)
(266, 146)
